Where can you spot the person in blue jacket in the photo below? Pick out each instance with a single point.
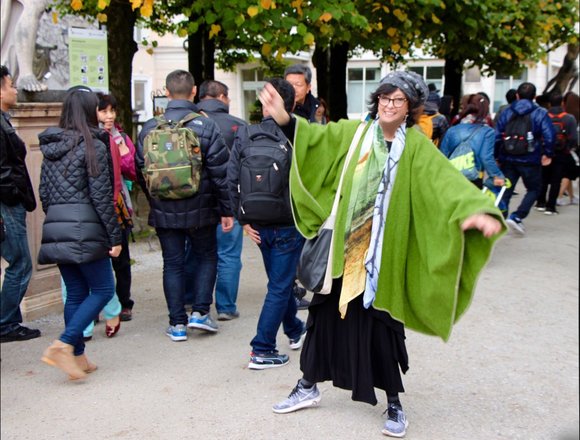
(473, 129)
(527, 166)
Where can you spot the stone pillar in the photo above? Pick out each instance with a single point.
(44, 292)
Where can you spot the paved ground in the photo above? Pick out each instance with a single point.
(510, 370)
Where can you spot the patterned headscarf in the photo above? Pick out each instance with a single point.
(410, 83)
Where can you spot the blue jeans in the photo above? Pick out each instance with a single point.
(280, 249)
(89, 286)
(229, 248)
(532, 178)
(199, 266)
(111, 310)
(14, 249)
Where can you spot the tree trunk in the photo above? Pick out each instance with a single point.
(121, 48)
(201, 55)
(453, 72)
(320, 59)
(567, 75)
(337, 99)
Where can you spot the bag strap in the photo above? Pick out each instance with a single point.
(353, 145)
(466, 139)
(188, 118)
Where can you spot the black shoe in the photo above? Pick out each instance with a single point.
(302, 304)
(126, 315)
(299, 292)
(20, 334)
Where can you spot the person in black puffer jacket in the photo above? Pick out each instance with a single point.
(194, 218)
(80, 232)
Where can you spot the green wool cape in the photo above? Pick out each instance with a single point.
(429, 266)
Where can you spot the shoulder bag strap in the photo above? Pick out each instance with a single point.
(355, 141)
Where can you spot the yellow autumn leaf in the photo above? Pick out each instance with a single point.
(102, 18)
(326, 17)
(149, 50)
(266, 4)
(380, 26)
(182, 33)
(505, 55)
(76, 5)
(253, 11)
(386, 9)
(435, 19)
(147, 8)
(266, 49)
(400, 14)
(215, 29)
(54, 17)
(102, 4)
(308, 39)
(396, 47)
(136, 4)
(391, 31)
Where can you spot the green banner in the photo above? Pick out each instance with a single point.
(88, 58)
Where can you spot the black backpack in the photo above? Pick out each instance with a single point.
(263, 184)
(518, 138)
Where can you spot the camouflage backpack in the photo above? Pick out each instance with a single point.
(172, 159)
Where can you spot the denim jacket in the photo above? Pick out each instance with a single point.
(482, 143)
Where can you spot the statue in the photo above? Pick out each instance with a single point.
(20, 20)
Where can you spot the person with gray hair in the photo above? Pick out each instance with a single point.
(300, 76)
(401, 243)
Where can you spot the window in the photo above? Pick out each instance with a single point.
(252, 82)
(503, 83)
(361, 81)
(431, 74)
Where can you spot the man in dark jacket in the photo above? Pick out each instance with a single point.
(566, 139)
(280, 244)
(195, 217)
(16, 197)
(300, 76)
(527, 166)
(215, 103)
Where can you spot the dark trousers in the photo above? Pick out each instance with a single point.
(532, 177)
(551, 179)
(122, 268)
(203, 244)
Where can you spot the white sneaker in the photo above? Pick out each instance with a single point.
(563, 201)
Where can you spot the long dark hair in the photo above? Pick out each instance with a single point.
(415, 106)
(79, 115)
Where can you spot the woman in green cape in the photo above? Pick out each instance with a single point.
(411, 236)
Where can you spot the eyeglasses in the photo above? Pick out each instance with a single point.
(396, 102)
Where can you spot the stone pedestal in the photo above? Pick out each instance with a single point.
(44, 292)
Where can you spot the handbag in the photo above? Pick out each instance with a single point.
(314, 269)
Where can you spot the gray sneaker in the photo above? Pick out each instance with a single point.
(397, 423)
(225, 316)
(299, 398)
(202, 322)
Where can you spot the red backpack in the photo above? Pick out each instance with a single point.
(561, 139)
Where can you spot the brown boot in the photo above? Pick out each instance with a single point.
(60, 355)
(85, 365)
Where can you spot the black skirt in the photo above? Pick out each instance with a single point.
(366, 350)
